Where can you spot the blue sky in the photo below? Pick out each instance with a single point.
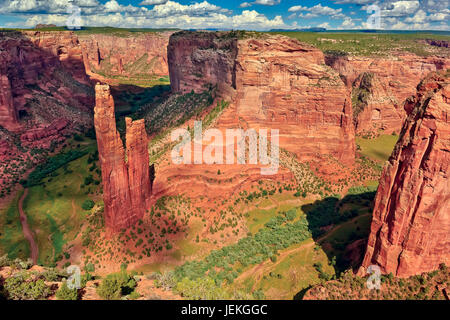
(233, 14)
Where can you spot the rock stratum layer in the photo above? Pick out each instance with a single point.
(273, 82)
(411, 220)
(381, 85)
(126, 184)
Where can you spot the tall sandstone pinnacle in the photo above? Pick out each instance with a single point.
(126, 184)
(411, 220)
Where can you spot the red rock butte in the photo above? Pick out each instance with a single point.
(126, 183)
(411, 220)
(272, 82)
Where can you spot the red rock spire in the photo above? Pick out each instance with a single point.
(411, 220)
(126, 185)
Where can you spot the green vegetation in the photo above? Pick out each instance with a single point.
(201, 289)
(378, 149)
(370, 44)
(12, 240)
(88, 204)
(116, 285)
(64, 293)
(175, 110)
(129, 99)
(23, 286)
(51, 165)
(54, 203)
(426, 286)
(277, 234)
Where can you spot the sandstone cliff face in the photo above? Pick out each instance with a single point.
(411, 220)
(42, 75)
(8, 113)
(126, 185)
(273, 82)
(65, 46)
(199, 59)
(284, 84)
(116, 55)
(388, 82)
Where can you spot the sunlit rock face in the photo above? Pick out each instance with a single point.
(126, 55)
(273, 82)
(380, 86)
(411, 220)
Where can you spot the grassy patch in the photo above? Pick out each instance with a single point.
(54, 206)
(378, 149)
(12, 240)
(370, 44)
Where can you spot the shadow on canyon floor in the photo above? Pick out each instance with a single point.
(130, 98)
(341, 228)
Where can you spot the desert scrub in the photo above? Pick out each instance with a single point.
(219, 264)
(51, 165)
(201, 289)
(116, 285)
(23, 286)
(65, 293)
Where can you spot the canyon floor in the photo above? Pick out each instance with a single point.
(214, 219)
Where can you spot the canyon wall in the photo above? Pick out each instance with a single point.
(43, 79)
(273, 82)
(127, 55)
(8, 113)
(200, 59)
(126, 184)
(411, 219)
(380, 86)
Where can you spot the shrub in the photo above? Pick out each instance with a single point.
(78, 137)
(52, 275)
(89, 267)
(51, 165)
(65, 293)
(4, 261)
(22, 287)
(88, 204)
(116, 285)
(110, 289)
(166, 280)
(200, 289)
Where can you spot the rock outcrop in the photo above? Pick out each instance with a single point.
(43, 137)
(198, 60)
(273, 82)
(134, 54)
(411, 219)
(381, 85)
(8, 113)
(42, 76)
(126, 184)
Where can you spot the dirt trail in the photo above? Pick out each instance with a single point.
(26, 229)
